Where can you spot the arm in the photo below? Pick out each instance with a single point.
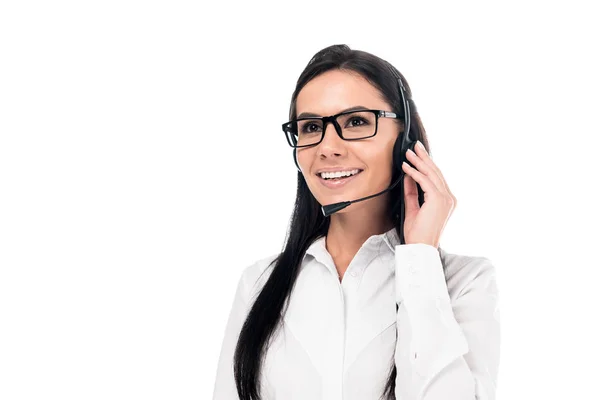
(225, 388)
(453, 344)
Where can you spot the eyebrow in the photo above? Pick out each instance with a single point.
(353, 108)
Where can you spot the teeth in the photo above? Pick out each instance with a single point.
(329, 175)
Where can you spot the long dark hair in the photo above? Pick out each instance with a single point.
(308, 223)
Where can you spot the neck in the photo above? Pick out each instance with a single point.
(350, 229)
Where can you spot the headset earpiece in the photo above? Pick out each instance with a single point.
(400, 148)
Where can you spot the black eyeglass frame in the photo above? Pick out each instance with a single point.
(338, 129)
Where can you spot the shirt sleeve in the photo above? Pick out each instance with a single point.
(454, 346)
(225, 388)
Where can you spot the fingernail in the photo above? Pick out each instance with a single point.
(421, 145)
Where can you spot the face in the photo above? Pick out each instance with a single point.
(331, 93)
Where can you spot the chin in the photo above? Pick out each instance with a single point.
(339, 197)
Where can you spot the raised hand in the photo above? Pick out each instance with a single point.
(425, 224)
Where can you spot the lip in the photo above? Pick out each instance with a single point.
(337, 184)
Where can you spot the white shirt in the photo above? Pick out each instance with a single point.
(338, 340)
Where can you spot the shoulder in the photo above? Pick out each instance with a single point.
(254, 276)
(468, 272)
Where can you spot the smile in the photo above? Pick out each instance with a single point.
(337, 182)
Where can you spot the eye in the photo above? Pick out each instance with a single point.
(310, 127)
(357, 119)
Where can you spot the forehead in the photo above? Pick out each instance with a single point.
(335, 90)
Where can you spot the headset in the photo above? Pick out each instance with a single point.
(401, 146)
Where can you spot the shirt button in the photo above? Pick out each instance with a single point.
(412, 269)
(353, 273)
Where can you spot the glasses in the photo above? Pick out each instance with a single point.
(349, 125)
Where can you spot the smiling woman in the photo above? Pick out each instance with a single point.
(363, 303)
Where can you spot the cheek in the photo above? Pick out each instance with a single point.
(379, 161)
(377, 158)
(304, 160)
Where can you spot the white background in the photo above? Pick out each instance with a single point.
(143, 167)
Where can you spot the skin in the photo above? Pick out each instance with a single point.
(330, 93)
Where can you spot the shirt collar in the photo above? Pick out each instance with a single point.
(384, 241)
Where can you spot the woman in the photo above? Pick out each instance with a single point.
(363, 303)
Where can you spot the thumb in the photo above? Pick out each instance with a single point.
(411, 195)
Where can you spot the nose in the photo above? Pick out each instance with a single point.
(331, 144)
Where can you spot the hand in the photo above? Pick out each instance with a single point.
(425, 224)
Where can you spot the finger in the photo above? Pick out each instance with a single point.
(411, 194)
(425, 168)
(423, 180)
(423, 155)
